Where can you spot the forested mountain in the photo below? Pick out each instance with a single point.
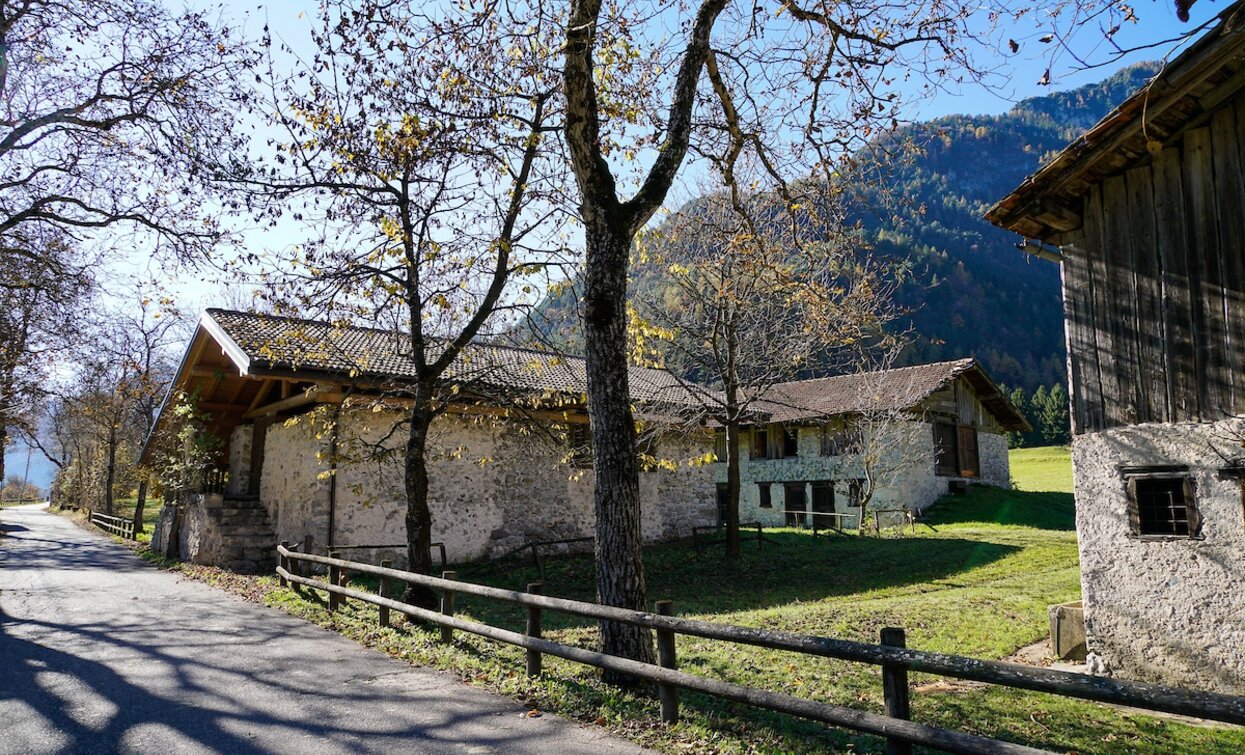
(973, 292)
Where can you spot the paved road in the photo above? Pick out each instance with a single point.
(101, 653)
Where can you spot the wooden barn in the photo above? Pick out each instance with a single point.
(1145, 213)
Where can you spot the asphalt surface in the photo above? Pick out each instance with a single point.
(100, 652)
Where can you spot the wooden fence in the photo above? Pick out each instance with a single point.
(117, 525)
(895, 659)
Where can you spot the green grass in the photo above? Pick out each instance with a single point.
(975, 580)
(1042, 469)
(124, 507)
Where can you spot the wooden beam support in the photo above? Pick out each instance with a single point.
(264, 387)
(313, 396)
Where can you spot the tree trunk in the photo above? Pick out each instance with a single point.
(111, 475)
(619, 544)
(140, 505)
(4, 443)
(733, 547)
(418, 515)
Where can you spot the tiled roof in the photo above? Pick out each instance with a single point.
(269, 343)
(284, 344)
(885, 390)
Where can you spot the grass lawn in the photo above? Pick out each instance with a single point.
(124, 507)
(1042, 469)
(976, 580)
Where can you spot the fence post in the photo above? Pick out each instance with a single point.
(334, 577)
(533, 629)
(384, 593)
(305, 568)
(283, 563)
(447, 607)
(895, 690)
(669, 694)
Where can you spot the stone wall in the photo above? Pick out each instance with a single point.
(1162, 609)
(910, 483)
(492, 487)
(292, 488)
(239, 460)
(995, 466)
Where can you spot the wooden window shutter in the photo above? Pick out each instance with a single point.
(1191, 509)
(1134, 510)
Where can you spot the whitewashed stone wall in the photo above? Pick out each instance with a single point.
(1171, 609)
(239, 460)
(912, 482)
(291, 489)
(995, 466)
(492, 488)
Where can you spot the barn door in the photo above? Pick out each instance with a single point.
(970, 463)
(823, 503)
(795, 503)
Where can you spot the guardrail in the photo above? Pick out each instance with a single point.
(117, 525)
(895, 659)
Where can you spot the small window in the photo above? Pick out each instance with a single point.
(724, 502)
(764, 494)
(579, 438)
(760, 443)
(1163, 505)
(790, 442)
(842, 443)
(719, 445)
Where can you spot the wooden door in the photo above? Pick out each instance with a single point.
(795, 503)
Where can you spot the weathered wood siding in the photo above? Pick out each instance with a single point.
(1154, 285)
(960, 402)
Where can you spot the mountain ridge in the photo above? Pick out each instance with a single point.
(973, 294)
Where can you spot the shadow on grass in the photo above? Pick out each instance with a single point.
(795, 567)
(986, 505)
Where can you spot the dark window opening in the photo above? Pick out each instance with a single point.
(841, 444)
(795, 503)
(1163, 506)
(719, 445)
(764, 493)
(790, 443)
(760, 443)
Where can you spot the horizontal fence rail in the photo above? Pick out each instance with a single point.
(891, 656)
(117, 525)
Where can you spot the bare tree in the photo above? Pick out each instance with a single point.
(38, 323)
(415, 146)
(111, 116)
(742, 305)
(799, 89)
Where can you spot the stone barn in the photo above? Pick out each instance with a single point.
(312, 441)
(313, 450)
(943, 426)
(1145, 213)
